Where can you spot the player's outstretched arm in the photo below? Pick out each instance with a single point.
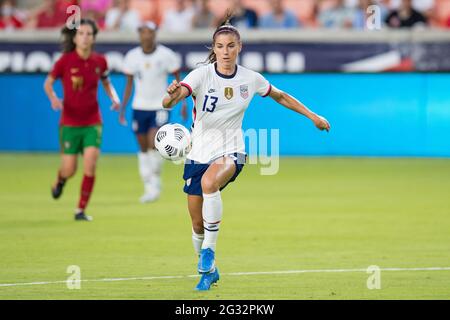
(126, 97)
(175, 93)
(291, 103)
(54, 100)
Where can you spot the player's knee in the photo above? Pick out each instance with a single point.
(209, 185)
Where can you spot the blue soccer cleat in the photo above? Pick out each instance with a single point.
(207, 280)
(206, 261)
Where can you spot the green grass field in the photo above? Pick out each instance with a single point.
(315, 214)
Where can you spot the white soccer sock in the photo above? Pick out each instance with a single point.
(212, 215)
(156, 163)
(145, 169)
(197, 240)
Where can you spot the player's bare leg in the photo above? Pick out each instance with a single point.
(151, 138)
(142, 141)
(90, 157)
(67, 169)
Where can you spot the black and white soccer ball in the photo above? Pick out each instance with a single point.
(173, 141)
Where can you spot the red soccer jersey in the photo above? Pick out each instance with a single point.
(80, 82)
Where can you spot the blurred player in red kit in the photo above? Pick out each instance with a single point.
(80, 70)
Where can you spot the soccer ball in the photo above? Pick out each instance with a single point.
(173, 141)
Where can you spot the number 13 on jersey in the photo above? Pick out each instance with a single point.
(212, 105)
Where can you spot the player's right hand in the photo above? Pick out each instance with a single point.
(56, 104)
(173, 88)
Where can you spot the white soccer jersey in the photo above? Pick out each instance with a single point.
(220, 102)
(150, 73)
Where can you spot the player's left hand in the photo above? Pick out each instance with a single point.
(321, 123)
(115, 106)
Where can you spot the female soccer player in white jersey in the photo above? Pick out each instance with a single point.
(148, 66)
(222, 91)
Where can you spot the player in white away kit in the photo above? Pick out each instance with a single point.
(222, 92)
(149, 66)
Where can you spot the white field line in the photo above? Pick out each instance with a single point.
(223, 274)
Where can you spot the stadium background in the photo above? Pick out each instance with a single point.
(385, 93)
(409, 109)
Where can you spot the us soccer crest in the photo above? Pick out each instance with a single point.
(229, 93)
(244, 91)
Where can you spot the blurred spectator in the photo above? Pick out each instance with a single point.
(434, 16)
(95, 10)
(279, 17)
(51, 14)
(204, 18)
(361, 15)
(351, 3)
(405, 16)
(426, 7)
(243, 17)
(180, 19)
(360, 18)
(122, 17)
(10, 18)
(338, 16)
(311, 20)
